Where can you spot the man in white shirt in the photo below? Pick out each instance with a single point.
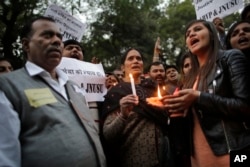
(44, 121)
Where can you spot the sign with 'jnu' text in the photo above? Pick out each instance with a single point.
(70, 27)
(89, 77)
(209, 9)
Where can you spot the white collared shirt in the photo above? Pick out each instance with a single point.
(10, 149)
(59, 85)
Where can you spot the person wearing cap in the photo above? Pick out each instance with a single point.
(73, 49)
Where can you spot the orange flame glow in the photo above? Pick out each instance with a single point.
(159, 92)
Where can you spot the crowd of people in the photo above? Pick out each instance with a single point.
(194, 114)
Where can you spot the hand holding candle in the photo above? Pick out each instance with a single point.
(156, 101)
(172, 100)
(132, 83)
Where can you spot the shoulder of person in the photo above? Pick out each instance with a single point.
(231, 55)
(14, 74)
(148, 83)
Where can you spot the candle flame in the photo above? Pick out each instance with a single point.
(159, 92)
(130, 75)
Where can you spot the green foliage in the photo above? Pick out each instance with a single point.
(13, 13)
(229, 20)
(117, 25)
(172, 29)
(123, 24)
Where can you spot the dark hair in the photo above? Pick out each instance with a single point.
(73, 42)
(124, 55)
(230, 31)
(111, 73)
(194, 64)
(182, 60)
(216, 18)
(203, 71)
(244, 12)
(156, 63)
(26, 30)
(171, 66)
(6, 59)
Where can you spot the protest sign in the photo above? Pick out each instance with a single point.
(90, 77)
(209, 9)
(70, 27)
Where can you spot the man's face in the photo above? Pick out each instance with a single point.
(5, 67)
(157, 73)
(44, 46)
(73, 51)
(172, 74)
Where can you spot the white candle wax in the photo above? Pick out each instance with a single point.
(132, 83)
(159, 92)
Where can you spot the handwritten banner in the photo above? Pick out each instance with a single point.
(70, 27)
(90, 77)
(209, 9)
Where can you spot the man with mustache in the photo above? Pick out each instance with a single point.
(44, 117)
(157, 72)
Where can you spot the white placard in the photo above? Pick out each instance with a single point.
(70, 27)
(90, 77)
(209, 9)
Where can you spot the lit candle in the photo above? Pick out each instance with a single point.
(156, 101)
(132, 83)
(159, 92)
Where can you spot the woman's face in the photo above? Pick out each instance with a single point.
(186, 65)
(240, 37)
(133, 63)
(197, 38)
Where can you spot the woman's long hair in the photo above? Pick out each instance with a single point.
(194, 64)
(202, 72)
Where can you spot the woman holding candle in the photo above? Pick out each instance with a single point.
(136, 131)
(217, 94)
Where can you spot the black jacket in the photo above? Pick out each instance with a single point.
(224, 110)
